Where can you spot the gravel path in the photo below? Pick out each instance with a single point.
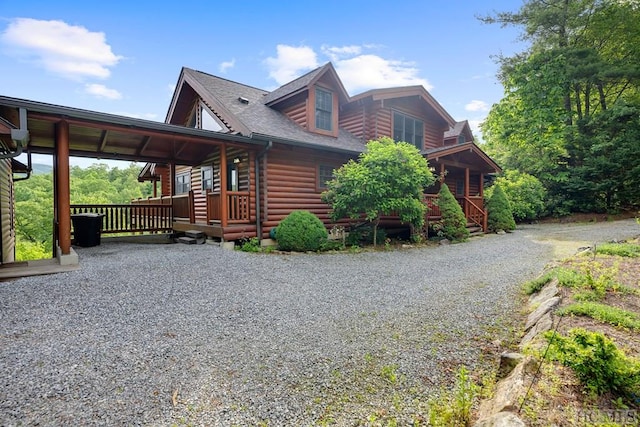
(177, 334)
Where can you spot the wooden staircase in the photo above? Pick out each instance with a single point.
(474, 229)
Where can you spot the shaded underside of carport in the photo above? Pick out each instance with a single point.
(64, 131)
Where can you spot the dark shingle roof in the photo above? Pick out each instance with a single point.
(261, 119)
(456, 130)
(294, 86)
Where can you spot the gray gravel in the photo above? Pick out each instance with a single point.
(178, 334)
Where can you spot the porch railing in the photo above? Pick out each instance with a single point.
(238, 207)
(471, 206)
(133, 218)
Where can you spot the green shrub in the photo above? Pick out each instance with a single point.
(619, 249)
(535, 285)
(604, 313)
(250, 245)
(499, 211)
(596, 361)
(525, 192)
(301, 231)
(453, 408)
(453, 225)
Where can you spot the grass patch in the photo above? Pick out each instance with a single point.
(604, 313)
(535, 285)
(628, 250)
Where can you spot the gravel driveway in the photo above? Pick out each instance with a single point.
(178, 334)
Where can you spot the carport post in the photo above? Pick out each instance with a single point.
(62, 187)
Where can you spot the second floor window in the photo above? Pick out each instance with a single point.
(324, 109)
(183, 183)
(408, 129)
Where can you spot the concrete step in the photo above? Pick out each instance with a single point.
(187, 240)
(195, 234)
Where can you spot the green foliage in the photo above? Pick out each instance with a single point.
(597, 362)
(604, 313)
(364, 234)
(95, 184)
(500, 216)
(535, 285)
(619, 249)
(525, 192)
(453, 409)
(453, 225)
(388, 178)
(569, 115)
(250, 245)
(301, 231)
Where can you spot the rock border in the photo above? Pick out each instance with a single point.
(515, 368)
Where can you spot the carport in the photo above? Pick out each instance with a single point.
(64, 131)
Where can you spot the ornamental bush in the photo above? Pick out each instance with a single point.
(525, 192)
(301, 231)
(500, 216)
(453, 225)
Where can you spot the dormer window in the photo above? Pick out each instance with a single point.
(461, 139)
(408, 129)
(324, 109)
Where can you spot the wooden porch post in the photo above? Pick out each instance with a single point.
(63, 213)
(442, 171)
(466, 192)
(481, 186)
(224, 215)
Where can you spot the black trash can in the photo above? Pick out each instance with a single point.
(87, 228)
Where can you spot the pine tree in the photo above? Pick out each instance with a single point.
(453, 225)
(499, 211)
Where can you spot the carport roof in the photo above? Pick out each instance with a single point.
(109, 136)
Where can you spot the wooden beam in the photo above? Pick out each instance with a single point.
(223, 187)
(63, 187)
(145, 143)
(466, 182)
(103, 140)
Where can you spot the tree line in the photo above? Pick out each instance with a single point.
(570, 115)
(97, 184)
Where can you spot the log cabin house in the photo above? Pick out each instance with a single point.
(233, 160)
(307, 127)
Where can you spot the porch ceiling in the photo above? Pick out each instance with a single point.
(108, 136)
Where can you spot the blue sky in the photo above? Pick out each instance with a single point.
(125, 57)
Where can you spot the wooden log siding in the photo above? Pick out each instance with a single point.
(131, 218)
(6, 212)
(292, 184)
(298, 113)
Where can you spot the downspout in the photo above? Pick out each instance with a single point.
(19, 136)
(259, 157)
(29, 169)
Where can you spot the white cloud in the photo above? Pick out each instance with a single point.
(477, 105)
(291, 62)
(68, 50)
(368, 71)
(226, 65)
(101, 91)
(358, 70)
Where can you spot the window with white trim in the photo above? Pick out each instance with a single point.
(408, 129)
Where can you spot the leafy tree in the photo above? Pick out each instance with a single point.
(388, 178)
(581, 62)
(525, 192)
(453, 224)
(499, 212)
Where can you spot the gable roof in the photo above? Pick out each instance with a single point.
(458, 129)
(243, 109)
(304, 82)
(466, 150)
(398, 92)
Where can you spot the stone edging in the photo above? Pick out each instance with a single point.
(515, 368)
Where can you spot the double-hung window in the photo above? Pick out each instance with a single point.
(325, 173)
(324, 109)
(206, 173)
(408, 129)
(183, 183)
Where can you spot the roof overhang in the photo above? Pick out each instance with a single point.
(467, 155)
(108, 136)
